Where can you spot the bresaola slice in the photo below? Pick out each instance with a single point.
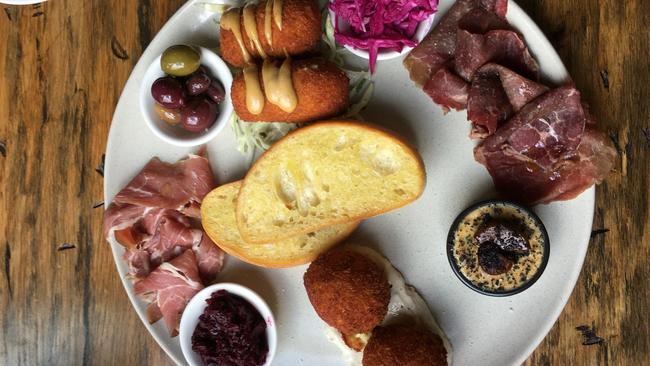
(448, 90)
(544, 153)
(481, 20)
(503, 47)
(487, 105)
(544, 130)
(495, 94)
(439, 46)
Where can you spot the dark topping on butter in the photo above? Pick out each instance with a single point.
(493, 260)
(497, 247)
(503, 236)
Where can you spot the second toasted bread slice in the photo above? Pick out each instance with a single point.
(326, 174)
(218, 219)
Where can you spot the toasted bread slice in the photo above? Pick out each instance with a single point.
(218, 219)
(326, 174)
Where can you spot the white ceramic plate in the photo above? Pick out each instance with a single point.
(483, 330)
(21, 2)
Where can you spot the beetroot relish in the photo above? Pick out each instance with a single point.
(231, 332)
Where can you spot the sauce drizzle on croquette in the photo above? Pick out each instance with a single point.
(310, 80)
(272, 8)
(278, 85)
(270, 29)
(250, 27)
(254, 95)
(230, 20)
(277, 13)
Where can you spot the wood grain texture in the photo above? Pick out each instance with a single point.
(63, 66)
(604, 45)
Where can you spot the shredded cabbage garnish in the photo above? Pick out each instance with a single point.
(220, 6)
(258, 135)
(213, 7)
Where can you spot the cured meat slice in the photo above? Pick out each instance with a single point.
(210, 258)
(139, 262)
(520, 91)
(495, 94)
(544, 153)
(439, 46)
(118, 217)
(480, 21)
(156, 235)
(510, 50)
(152, 216)
(169, 239)
(448, 90)
(169, 288)
(471, 53)
(504, 47)
(487, 105)
(594, 161)
(544, 130)
(155, 218)
(172, 186)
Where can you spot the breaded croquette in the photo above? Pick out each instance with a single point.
(404, 345)
(321, 87)
(300, 33)
(348, 291)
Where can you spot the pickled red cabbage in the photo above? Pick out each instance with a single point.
(380, 24)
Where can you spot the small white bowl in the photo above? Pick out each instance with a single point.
(176, 135)
(420, 32)
(197, 305)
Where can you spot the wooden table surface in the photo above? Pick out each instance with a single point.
(63, 65)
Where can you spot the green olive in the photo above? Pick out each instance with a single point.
(180, 60)
(171, 116)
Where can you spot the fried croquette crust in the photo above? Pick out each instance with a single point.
(348, 291)
(301, 31)
(405, 345)
(322, 89)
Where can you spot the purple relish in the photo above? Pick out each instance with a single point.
(231, 332)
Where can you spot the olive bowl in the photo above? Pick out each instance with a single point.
(494, 202)
(176, 135)
(196, 306)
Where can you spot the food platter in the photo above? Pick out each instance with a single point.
(413, 238)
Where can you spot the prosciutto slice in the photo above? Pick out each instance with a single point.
(179, 186)
(439, 46)
(548, 151)
(169, 288)
(155, 235)
(496, 93)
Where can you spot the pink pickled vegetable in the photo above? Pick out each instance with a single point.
(380, 24)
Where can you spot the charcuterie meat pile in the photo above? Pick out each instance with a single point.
(156, 219)
(539, 143)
